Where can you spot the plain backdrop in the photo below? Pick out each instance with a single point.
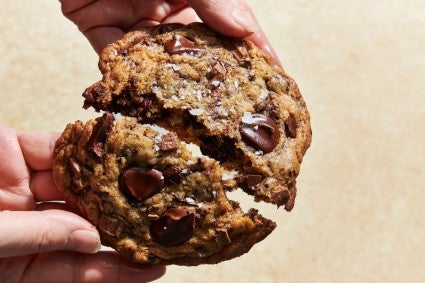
(359, 214)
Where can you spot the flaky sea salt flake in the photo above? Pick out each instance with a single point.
(196, 111)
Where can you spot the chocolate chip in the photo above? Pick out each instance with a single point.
(111, 226)
(169, 142)
(75, 173)
(218, 72)
(291, 127)
(104, 125)
(175, 227)
(91, 94)
(141, 183)
(173, 175)
(242, 54)
(248, 182)
(259, 131)
(180, 44)
(222, 239)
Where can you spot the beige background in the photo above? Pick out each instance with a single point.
(360, 65)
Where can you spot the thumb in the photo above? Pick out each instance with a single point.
(234, 19)
(231, 18)
(29, 232)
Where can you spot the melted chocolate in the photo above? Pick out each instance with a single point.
(180, 44)
(175, 226)
(259, 131)
(141, 183)
(104, 125)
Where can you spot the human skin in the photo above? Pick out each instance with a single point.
(105, 21)
(40, 239)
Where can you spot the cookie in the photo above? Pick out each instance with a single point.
(150, 197)
(225, 95)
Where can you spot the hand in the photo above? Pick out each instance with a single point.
(40, 240)
(105, 21)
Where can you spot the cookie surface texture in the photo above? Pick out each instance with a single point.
(150, 198)
(225, 95)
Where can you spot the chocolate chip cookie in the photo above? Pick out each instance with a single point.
(225, 95)
(150, 197)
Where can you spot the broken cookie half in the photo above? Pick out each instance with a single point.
(225, 95)
(150, 198)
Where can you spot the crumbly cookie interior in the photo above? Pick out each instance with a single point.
(150, 198)
(205, 88)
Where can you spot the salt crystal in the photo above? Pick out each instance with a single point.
(174, 67)
(198, 94)
(222, 112)
(189, 200)
(247, 118)
(215, 83)
(229, 176)
(196, 112)
(263, 94)
(118, 116)
(160, 130)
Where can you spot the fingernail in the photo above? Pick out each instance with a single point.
(246, 20)
(84, 241)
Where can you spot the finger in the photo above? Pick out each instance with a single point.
(261, 41)
(105, 267)
(53, 205)
(120, 14)
(29, 232)
(14, 174)
(69, 6)
(185, 16)
(12, 165)
(37, 148)
(43, 187)
(99, 37)
(234, 19)
(99, 14)
(231, 18)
